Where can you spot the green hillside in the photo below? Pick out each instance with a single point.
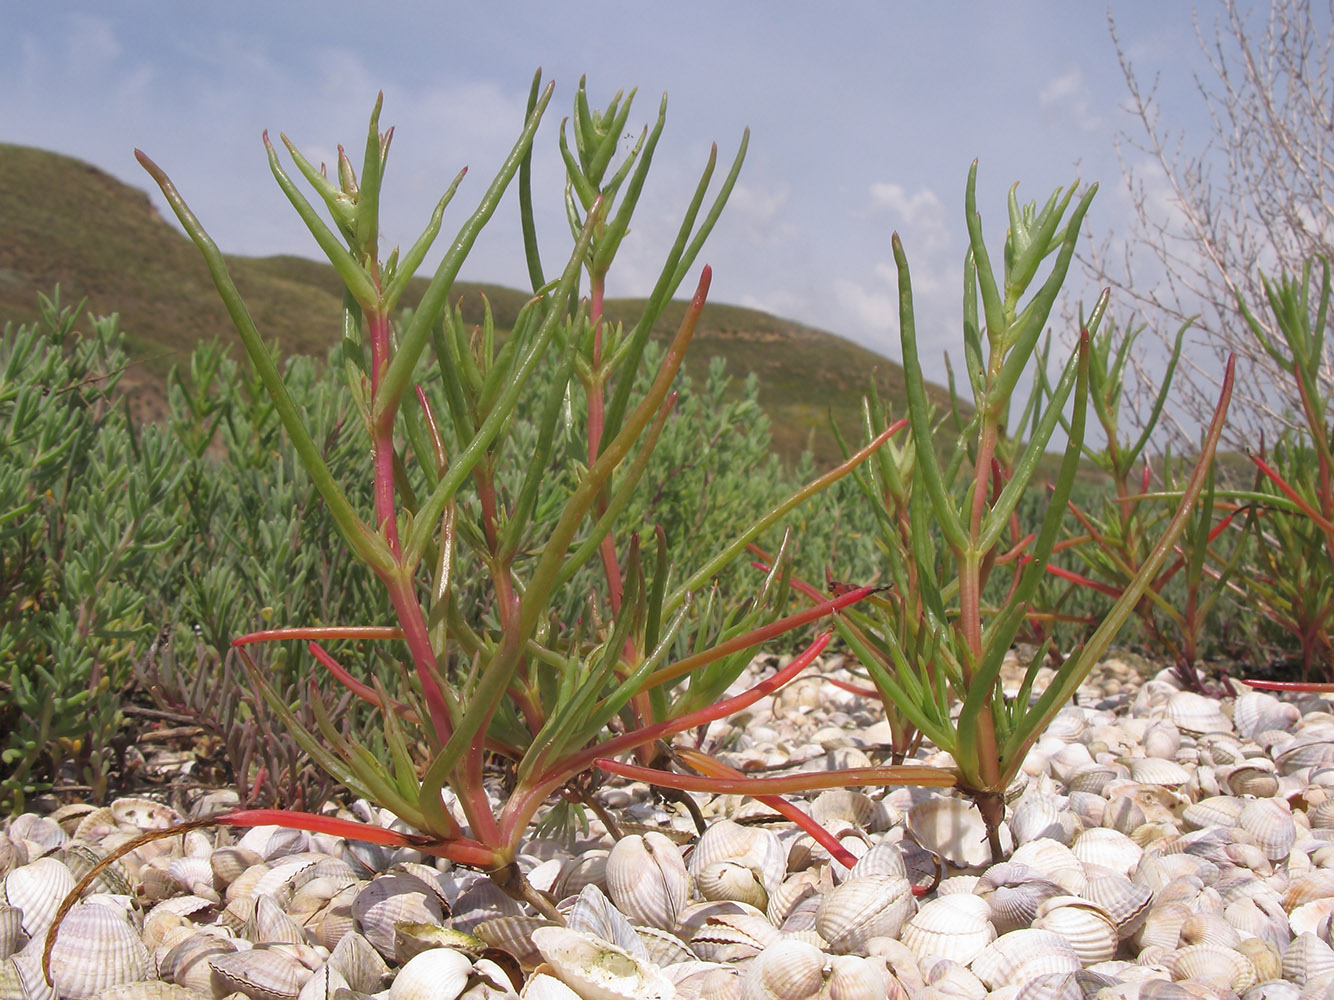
(68, 222)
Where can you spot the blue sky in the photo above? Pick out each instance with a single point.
(864, 117)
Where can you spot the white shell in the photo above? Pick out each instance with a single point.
(956, 926)
(647, 880)
(436, 974)
(953, 829)
(598, 970)
(1021, 955)
(37, 889)
(1084, 925)
(750, 846)
(96, 947)
(864, 908)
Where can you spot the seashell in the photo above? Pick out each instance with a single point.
(1161, 741)
(598, 970)
(148, 989)
(1108, 849)
(1197, 714)
(1126, 902)
(12, 937)
(1055, 861)
(359, 963)
(545, 987)
(1305, 751)
(144, 814)
(849, 805)
(1217, 810)
(391, 899)
(510, 934)
(664, 949)
(1084, 925)
(796, 889)
(1013, 893)
(953, 829)
(863, 908)
(730, 880)
(1270, 822)
(1222, 967)
(593, 913)
(749, 846)
(186, 964)
(324, 984)
(265, 973)
(37, 889)
(437, 974)
(1039, 816)
(13, 854)
(94, 825)
(1307, 959)
(1258, 711)
(273, 842)
(1021, 955)
(270, 924)
(589, 868)
(731, 937)
(789, 970)
(1256, 777)
(228, 864)
(194, 875)
(647, 880)
(40, 832)
(1157, 771)
(1309, 887)
(955, 926)
(1094, 778)
(1264, 957)
(1162, 925)
(96, 947)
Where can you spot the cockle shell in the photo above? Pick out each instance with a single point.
(749, 846)
(1107, 848)
(1054, 861)
(1126, 902)
(391, 899)
(789, 970)
(955, 926)
(186, 963)
(1083, 924)
(1021, 955)
(37, 889)
(437, 974)
(12, 937)
(1013, 893)
(96, 947)
(1270, 822)
(1206, 963)
(264, 973)
(1039, 816)
(597, 969)
(1307, 959)
(864, 908)
(647, 880)
(953, 829)
(1196, 714)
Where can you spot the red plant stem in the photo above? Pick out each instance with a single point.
(1083, 581)
(759, 635)
(321, 632)
(362, 691)
(865, 692)
(523, 804)
(464, 851)
(1311, 687)
(1292, 494)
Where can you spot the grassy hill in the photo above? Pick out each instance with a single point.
(68, 222)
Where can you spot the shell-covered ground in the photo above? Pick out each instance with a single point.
(1160, 844)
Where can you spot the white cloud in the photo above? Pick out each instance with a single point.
(922, 214)
(1066, 102)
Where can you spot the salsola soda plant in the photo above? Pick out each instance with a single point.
(507, 680)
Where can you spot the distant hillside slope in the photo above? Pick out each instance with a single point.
(67, 222)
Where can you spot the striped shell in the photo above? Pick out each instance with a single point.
(96, 947)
